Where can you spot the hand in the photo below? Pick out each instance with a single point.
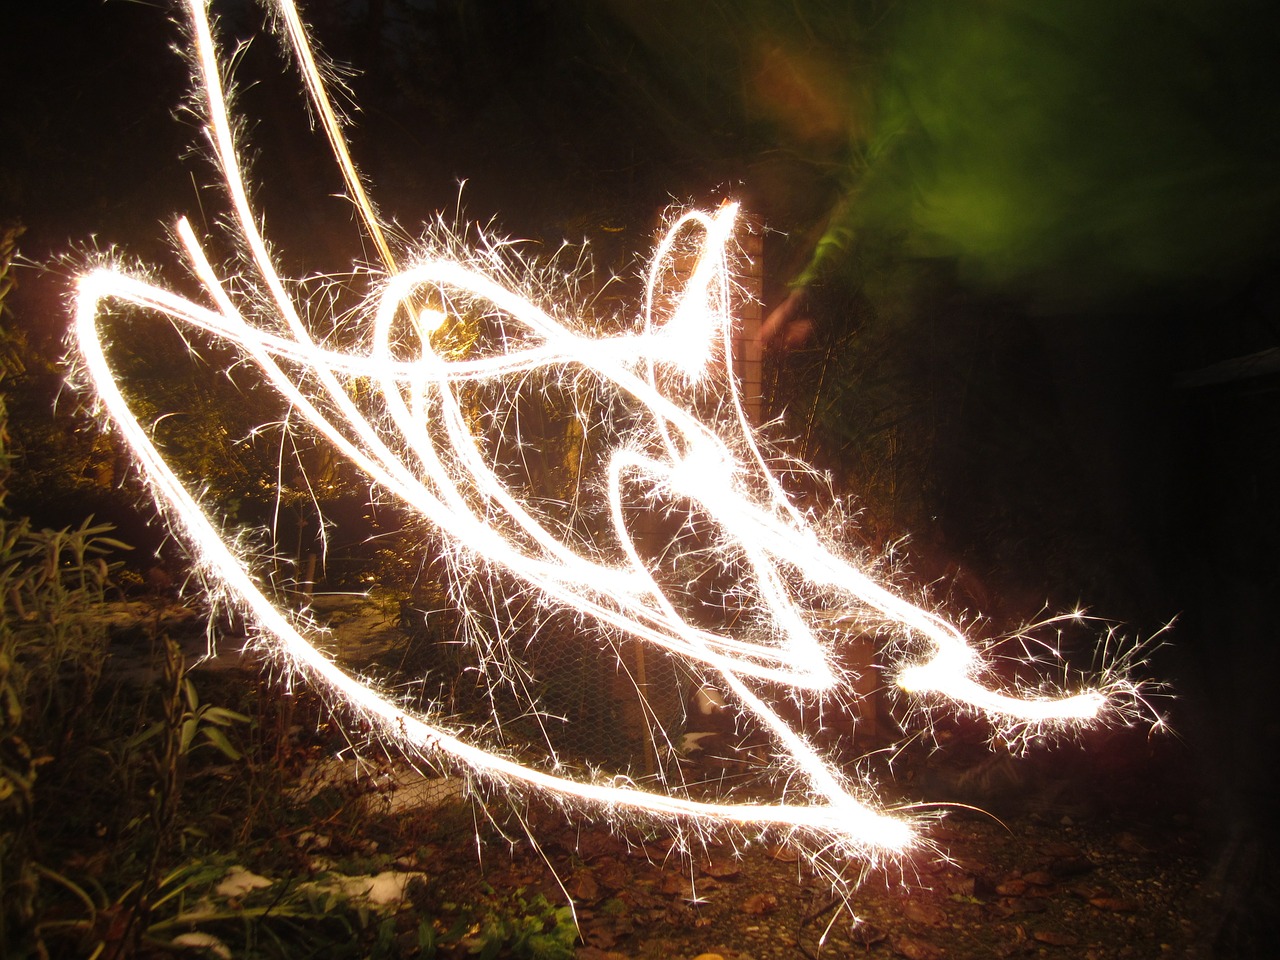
(789, 324)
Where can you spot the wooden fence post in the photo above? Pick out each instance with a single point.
(748, 351)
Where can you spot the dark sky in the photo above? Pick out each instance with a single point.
(95, 143)
(88, 121)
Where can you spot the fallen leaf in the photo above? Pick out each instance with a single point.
(914, 949)
(1130, 844)
(760, 903)
(964, 886)
(1071, 866)
(676, 883)
(1055, 938)
(598, 843)
(921, 911)
(582, 886)
(721, 869)
(868, 934)
(1065, 851)
(595, 953)
(599, 935)
(612, 875)
(784, 853)
(239, 882)
(1012, 906)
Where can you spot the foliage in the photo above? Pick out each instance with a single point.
(533, 929)
(190, 723)
(114, 850)
(52, 583)
(109, 851)
(52, 652)
(17, 762)
(9, 234)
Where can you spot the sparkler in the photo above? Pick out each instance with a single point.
(395, 407)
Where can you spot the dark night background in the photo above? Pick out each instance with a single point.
(1089, 196)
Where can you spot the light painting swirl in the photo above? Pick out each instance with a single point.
(399, 407)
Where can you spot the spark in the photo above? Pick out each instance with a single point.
(394, 407)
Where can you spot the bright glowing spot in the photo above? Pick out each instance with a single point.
(429, 320)
(397, 408)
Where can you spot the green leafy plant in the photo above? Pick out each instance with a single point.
(192, 724)
(531, 929)
(53, 583)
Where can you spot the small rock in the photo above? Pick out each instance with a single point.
(1090, 891)
(1115, 904)
(206, 943)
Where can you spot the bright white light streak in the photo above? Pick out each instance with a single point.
(414, 439)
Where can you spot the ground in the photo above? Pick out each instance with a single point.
(1030, 885)
(1064, 854)
(1025, 888)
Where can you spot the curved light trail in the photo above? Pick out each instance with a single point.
(394, 408)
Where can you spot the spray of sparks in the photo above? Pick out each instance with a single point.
(401, 407)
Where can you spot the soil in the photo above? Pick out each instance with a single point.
(1097, 882)
(1072, 853)
(1028, 887)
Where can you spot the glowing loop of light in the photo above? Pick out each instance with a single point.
(421, 450)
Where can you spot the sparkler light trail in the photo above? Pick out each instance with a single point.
(401, 407)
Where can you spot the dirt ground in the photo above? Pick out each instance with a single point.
(1033, 884)
(1096, 850)
(1094, 892)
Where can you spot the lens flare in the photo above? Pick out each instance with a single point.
(401, 408)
